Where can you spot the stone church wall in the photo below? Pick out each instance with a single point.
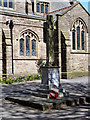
(77, 62)
(19, 6)
(22, 64)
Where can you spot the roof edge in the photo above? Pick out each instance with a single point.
(57, 10)
(21, 15)
(72, 8)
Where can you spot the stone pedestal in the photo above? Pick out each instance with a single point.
(50, 76)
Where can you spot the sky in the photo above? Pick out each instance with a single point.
(86, 4)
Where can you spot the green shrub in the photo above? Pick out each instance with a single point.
(40, 63)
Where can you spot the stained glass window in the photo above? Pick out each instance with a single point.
(5, 3)
(73, 39)
(46, 8)
(10, 4)
(78, 38)
(27, 45)
(33, 47)
(38, 10)
(82, 37)
(42, 8)
(78, 35)
(21, 47)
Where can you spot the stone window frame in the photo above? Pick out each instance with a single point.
(79, 22)
(7, 4)
(33, 36)
(37, 8)
(42, 3)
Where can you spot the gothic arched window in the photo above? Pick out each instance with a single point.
(79, 30)
(82, 38)
(78, 38)
(33, 47)
(21, 47)
(28, 43)
(73, 38)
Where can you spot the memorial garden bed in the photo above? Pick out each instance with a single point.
(20, 78)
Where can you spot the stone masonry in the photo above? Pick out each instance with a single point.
(22, 64)
(76, 61)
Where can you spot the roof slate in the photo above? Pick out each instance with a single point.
(59, 4)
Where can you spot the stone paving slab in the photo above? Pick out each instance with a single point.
(11, 110)
(45, 104)
(34, 103)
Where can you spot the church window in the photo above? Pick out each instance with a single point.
(78, 38)
(10, 4)
(79, 30)
(42, 8)
(46, 9)
(21, 47)
(28, 43)
(73, 37)
(6, 3)
(33, 47)
(38, 9)
(82, 37)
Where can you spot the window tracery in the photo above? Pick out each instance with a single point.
(78, 35)
(28, 44)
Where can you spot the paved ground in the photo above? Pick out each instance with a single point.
(9, 110)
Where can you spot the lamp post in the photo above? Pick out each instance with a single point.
(10, 23)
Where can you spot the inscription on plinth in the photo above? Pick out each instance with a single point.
(51, 77)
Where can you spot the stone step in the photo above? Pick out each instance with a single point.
(31, 101)
(45, 104)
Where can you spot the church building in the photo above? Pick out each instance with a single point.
(23, 44)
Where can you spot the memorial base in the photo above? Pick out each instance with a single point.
(47, 74)
(51, 78)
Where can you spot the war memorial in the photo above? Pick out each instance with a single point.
(50, 93)
(61, 40)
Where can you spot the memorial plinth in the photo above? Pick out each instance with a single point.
(51, 79)
(50, 76)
